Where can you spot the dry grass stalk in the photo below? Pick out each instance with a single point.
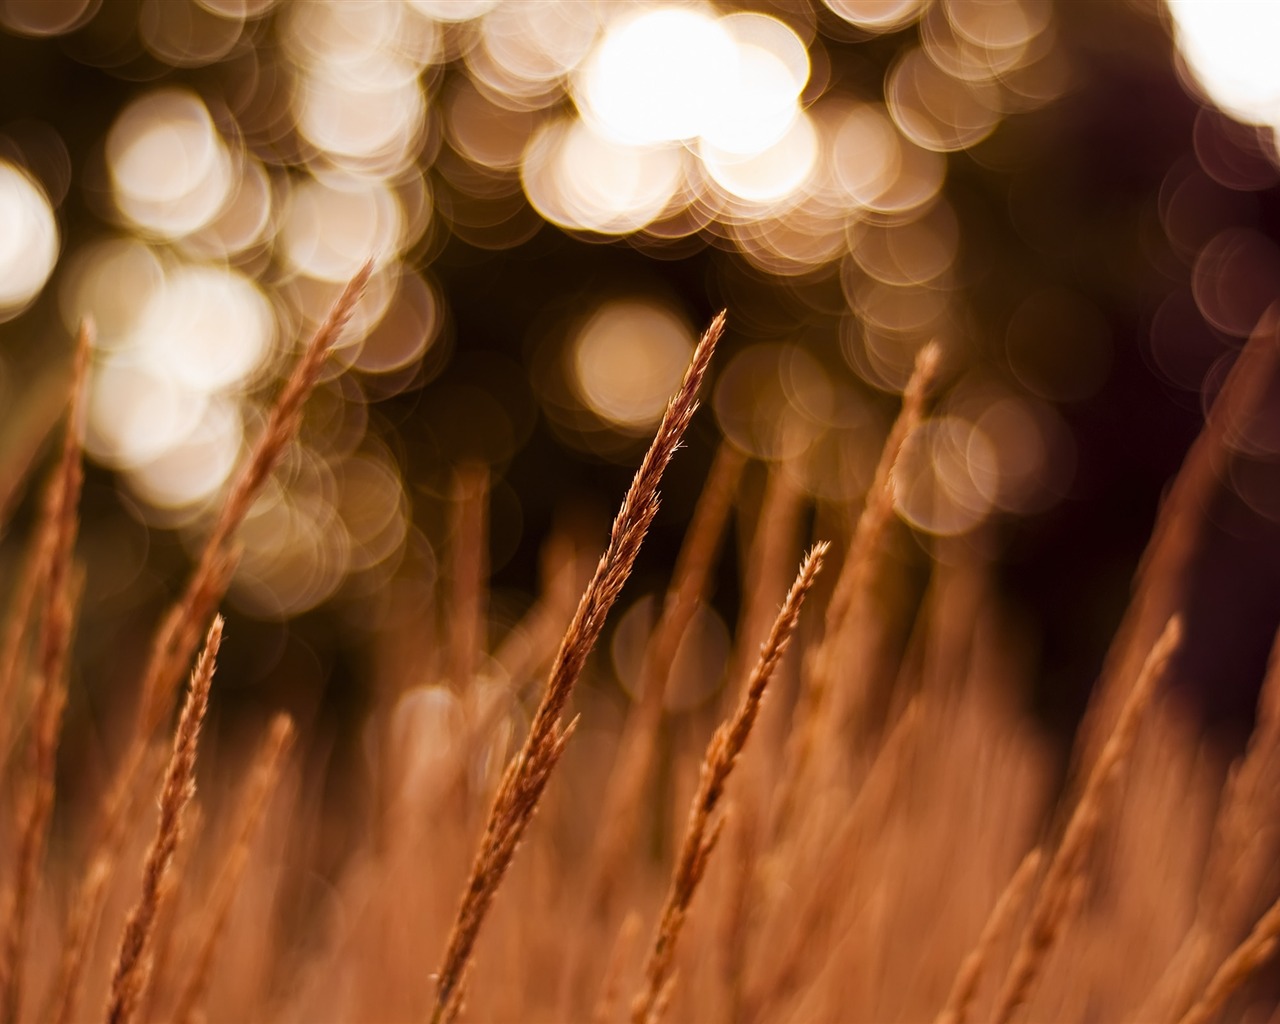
(122, 811)
(1160, 580)
(170, 910)
(15, 654)
(132, 966)
(14, 651)
(877, 512)
(831, 842)
(253, 804)
(630, 773)
(466, 612)
(1241, 852)
(968, 977)
(31, 428)
(735, 920)
(176, 640)
(606, 1002)
(1239, 856)
(1052, 904)
(526, 776)
(1254, 951)
(766, 564)
(55, 543)
(824, 706)
(700, 835)
(63, 999)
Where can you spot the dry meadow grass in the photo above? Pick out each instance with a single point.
(873, 830)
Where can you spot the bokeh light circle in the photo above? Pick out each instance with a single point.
(947, 477)
(28, 241)
(628, 359)
(168, 164)
(655, 75)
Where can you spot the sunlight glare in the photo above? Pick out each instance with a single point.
(1233, 49)
(655, 76)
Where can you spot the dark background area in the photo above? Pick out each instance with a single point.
(1069, 194)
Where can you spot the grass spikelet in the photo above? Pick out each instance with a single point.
(526, 777)
(133, 958)
(877, 513)
(1052, 904)
(700, 836)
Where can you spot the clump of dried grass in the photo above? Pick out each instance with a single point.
(526, 777)
(894, 852)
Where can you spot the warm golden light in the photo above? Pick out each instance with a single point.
(331, 227)
(1231, 47)
(168, 164)
(770, 174)
(382, 130)
(137, 412)
(579, 180)
(656, 75)
(697, 666)
(28, 240)
(878, 15)
(947, 478)
(627, 360)
(193, 468)
(208, 328)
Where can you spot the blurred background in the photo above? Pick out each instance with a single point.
(1077, 200)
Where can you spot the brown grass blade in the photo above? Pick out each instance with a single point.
(29, 431)
(1241, 852)
(1158, 584)
(133, 958)
(1254, 951)
(526, 777)
(965, 986)
(606, 1003)
(466, 614)
(15, 648)
(700, 835)
(262, 783)
(55, 543)
(825, 707)
(1050, 910)
(625, 790)
(176, 638)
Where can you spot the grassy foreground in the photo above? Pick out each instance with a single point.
(866, 828)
